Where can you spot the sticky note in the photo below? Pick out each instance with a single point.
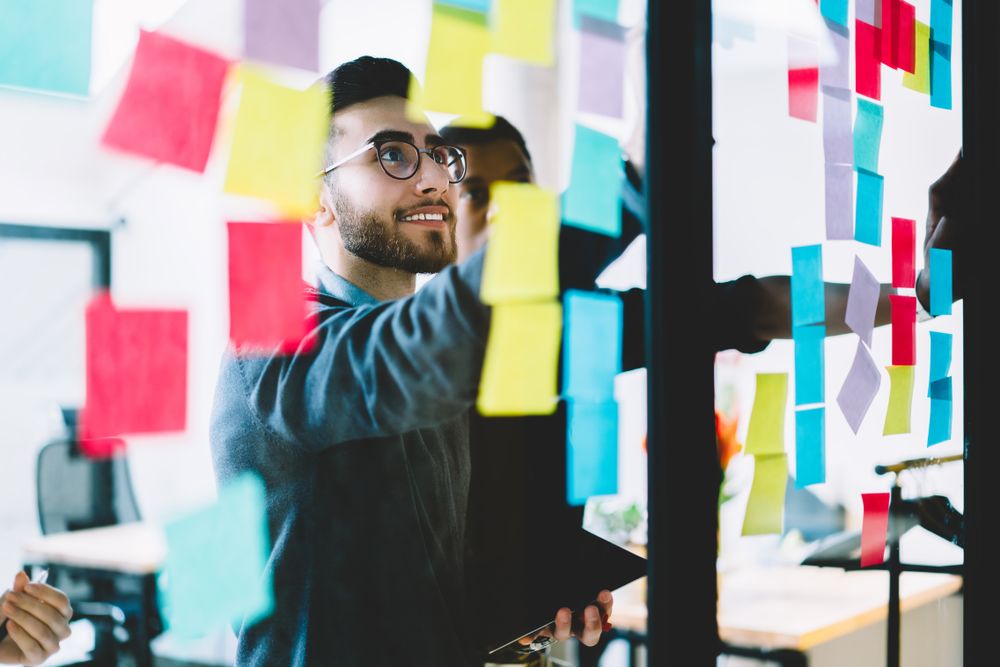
(170, 106)
(523, 30)
(905, 51)
(940, 75)
(810, 447)
(474, 5)
(862, 301)
(939, 426)
(602, 68)
(939, 268)
(521, 262)
(136, 370)
(941, 344)
(809, 364)
(766, 432)
(605, 10)
(593, 200)
(941, 21)
(591, 450)
(904, 252)
(836, 73)
(920, 79)
(592, 339)
(839, 194)
(859, 387)
(897, 415)
(282, 33)
(838, 139)
(868, 212)
(890, 36)
(940, 389)
(46, 45)
(867, 135)
(904, 329)
(834, 10)
(803, 93)
(867, 11)
(874, 528)
(279, 141)
(868, 60)
(216, 565)
(522, 355)
(808, 302)
(766, 505)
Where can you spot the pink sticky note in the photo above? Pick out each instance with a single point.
(874, 528)
(868, 59)
(890, 32)
(903, 253)
(906, 44)
(803, 93)
(170, 106)
(904, 329)
(268, 307)
(136, 370)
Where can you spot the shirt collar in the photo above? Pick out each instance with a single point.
(340, 288)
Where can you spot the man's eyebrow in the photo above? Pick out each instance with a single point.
(434, 140)
(390, 135)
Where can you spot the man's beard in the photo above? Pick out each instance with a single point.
(366, 235)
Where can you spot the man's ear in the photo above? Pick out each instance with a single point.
(325, 216)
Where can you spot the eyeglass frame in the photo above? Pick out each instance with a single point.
(426, 151)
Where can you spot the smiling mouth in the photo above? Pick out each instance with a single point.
(426, 219)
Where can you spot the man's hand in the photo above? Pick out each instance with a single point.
(589, 625)
(37, 618)
(945, 210)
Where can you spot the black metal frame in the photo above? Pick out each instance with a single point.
(99, 240)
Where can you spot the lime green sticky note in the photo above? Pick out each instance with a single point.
(523, 30)
(767, 495)
(522, 356)
(279, 141)
(897, 417)
(920, 79)
(766, 433)
(522, 257)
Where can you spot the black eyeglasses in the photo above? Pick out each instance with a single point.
(401, 159)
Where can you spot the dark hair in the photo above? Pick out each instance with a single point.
(475, 136)
(364, 79)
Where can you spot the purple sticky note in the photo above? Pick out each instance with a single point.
(283, 32)
(836, 74)
(859, 388)
(862, 301)
(602, 67)
(838, 135)
(866, 10)
(839, 202)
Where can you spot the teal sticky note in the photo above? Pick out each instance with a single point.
(809, 374)
(939, 429)
(868, 212)
(808, 302)
(592, 345)
(939, 266)
(810, 447)
(834, 10)
(941, 344)
(940, 75)
(940, 389)
(593, 200)
(591, 450)
(475, 5)
(606, 10)
(867, 135)
(214, 572)
(45, 45)
(941, 21)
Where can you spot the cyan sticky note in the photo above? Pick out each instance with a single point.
(593, 200)
(592, 342)
(868, 214)
(867, 134)
(474, 5)
(809, 375)
(939, 429)
(940, 389)
(940, 356)
(591, 450)
(941, 21)
(606, 10)
(940, 275)
(940, 75)
(834, 10)
(808, 303)
(810, 447)
(46, 45)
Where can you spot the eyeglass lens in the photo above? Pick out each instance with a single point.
(400, 160)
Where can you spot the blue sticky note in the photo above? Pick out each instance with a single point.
(868, 212)
(810, 447)
(808, 303)
(867, 135)
(592, 344)
(593, 200)
(940, 389)
(834, 10)
(940, 273)
(475, 5)
(606, 10)
(940, 75)
(939, 429)
(940, 356)
(809, 375)
(215, 569)
(941, 21)
(45, 45)
(591, 450)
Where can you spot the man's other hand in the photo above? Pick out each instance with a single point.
(37, 618)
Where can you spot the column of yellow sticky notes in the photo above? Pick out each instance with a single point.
(766, 442)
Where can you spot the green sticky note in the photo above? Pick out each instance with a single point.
(215, 570)
(766, 505)
(45, 45)
(523, 29)
(920, 79)
(606, 10)
(593, 200)
(766, 433)
(897, 416)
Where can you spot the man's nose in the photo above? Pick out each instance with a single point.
(431, 178)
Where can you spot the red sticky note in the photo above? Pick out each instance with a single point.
(136, 370)
(903, 253)
(890, 32)
(268, 307)
(102, 448)
(906, 45)
(803, 93)
(874, 528)
(904, 329)
(867, 52)
(170, 106)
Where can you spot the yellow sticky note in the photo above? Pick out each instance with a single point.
(766, 433)
(920, 80)
(522, 257)
(453, 83)
(279, 141)
(766, 505)
(522, 355)
(523, 29)
(897, 417)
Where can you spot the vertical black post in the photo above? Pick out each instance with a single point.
(895, 570)
(684, 472)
